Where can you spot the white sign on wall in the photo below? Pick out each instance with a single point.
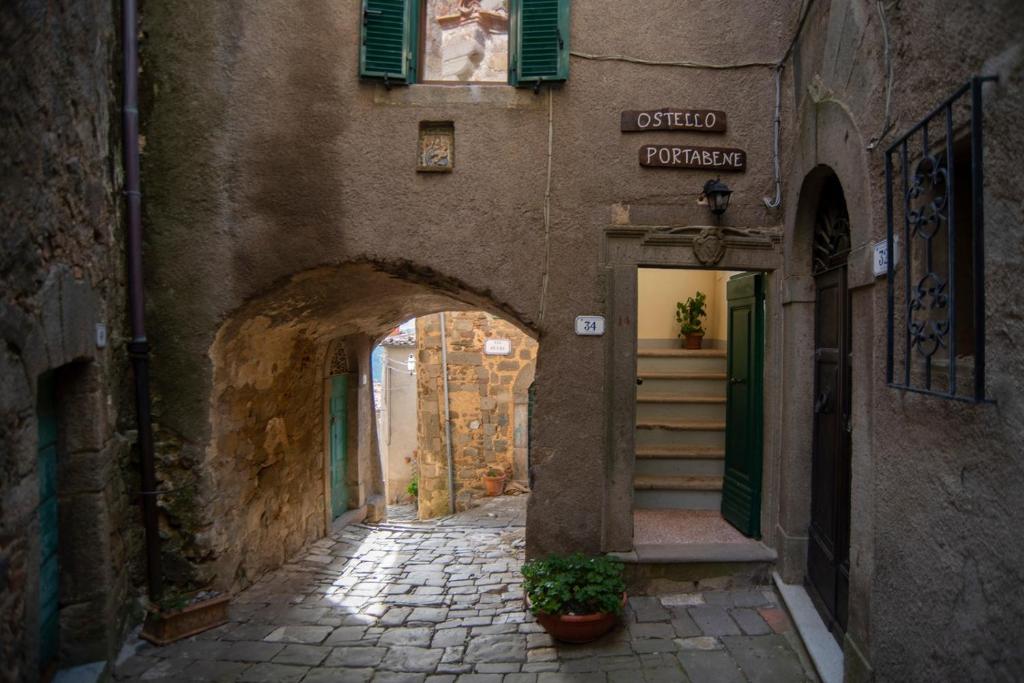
(880, 257)
(498, 347)
(590, 325)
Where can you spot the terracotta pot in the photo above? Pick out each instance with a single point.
(693, 341)
(578, 628)
(495, 485)
(162, 628)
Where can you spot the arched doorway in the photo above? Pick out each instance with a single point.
(828, 556)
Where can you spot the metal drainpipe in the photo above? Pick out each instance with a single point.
(138, 347)
(447, 420)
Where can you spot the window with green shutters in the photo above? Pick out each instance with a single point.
(533, 33)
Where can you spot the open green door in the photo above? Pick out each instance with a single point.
(49, 570)
(741, 488)
(339, 444)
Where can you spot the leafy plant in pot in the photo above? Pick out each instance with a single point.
(689, 315)
(576, 598)
(494, 480)
(178, 615)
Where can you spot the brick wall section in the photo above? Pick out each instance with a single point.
(483, 392)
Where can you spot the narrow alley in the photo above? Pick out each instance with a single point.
(442, 601)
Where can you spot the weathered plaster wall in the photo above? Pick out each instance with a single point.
(483, 392)
(283, 165)
(937, 485)
(60, 274)
(396, 420)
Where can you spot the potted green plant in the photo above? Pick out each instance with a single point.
(576, 598)
(690, 315)
(494, 480)
(177, 615)
(413, 489)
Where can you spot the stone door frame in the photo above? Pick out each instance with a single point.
(628, 247)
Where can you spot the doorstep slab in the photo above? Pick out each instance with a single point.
(821, 646)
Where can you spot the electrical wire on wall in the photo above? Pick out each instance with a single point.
(888, 123)
(547, 213)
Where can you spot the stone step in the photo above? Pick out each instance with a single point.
(706, 361)
(653, 437)
(682, 467)
(680, 353)
(680, 452)
(682, 383)
(679, 483)
(683, 425)
(671, 499)
(657, 407)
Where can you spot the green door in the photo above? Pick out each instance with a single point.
(49, 570)
(741, 488)
(339, 444)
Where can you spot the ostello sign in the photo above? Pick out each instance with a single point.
(704, 120)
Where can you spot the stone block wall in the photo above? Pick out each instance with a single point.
(61, 272)
(483, 393)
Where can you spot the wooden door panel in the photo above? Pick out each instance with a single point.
(741, 487)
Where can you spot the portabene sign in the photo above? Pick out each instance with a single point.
(709, 120)
(689, 156)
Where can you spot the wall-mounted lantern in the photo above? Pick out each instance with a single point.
(717, 195)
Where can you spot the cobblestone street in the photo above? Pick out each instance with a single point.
(443, 602)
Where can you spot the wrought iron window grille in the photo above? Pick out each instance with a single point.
(936, 308)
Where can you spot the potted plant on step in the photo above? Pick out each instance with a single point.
(178, 615)
(689, 316)
(575, 598)
(494, 480)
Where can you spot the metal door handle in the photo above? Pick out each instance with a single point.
(639, 381)
(736, 380)
(821, 405)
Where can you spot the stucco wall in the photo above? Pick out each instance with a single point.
(283, 165)
(60, 275)
(658, 290)
(483, 391)
(937, 484)
(397, 421)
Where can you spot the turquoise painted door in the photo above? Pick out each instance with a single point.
(339, 444)
(741, 488)
(49, 570)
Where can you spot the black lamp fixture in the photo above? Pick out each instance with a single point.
(717, 195)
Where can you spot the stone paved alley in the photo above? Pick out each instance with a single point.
(442, 602)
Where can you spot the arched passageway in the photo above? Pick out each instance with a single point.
(267, 469)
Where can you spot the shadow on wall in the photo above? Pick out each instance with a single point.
(264, 483)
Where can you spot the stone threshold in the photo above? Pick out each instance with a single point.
(354, 516)
(693, 553)
(818, 641)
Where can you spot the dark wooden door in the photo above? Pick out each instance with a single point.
(741, 487)
(828, 557)
(339, 444)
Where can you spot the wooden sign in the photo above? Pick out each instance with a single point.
(688, 156)
(708, 120)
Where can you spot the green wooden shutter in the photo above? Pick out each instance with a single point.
(539, 42)
(389, 44)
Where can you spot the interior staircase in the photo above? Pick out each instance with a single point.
(680, 429)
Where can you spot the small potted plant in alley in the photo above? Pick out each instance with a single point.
(494, 480)
(177, 615)
(689, 316)
(576, 598)
(413, 489)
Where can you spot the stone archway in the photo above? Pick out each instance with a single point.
(261, 491)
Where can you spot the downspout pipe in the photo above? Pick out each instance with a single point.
(138, 347)
(447, 419)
